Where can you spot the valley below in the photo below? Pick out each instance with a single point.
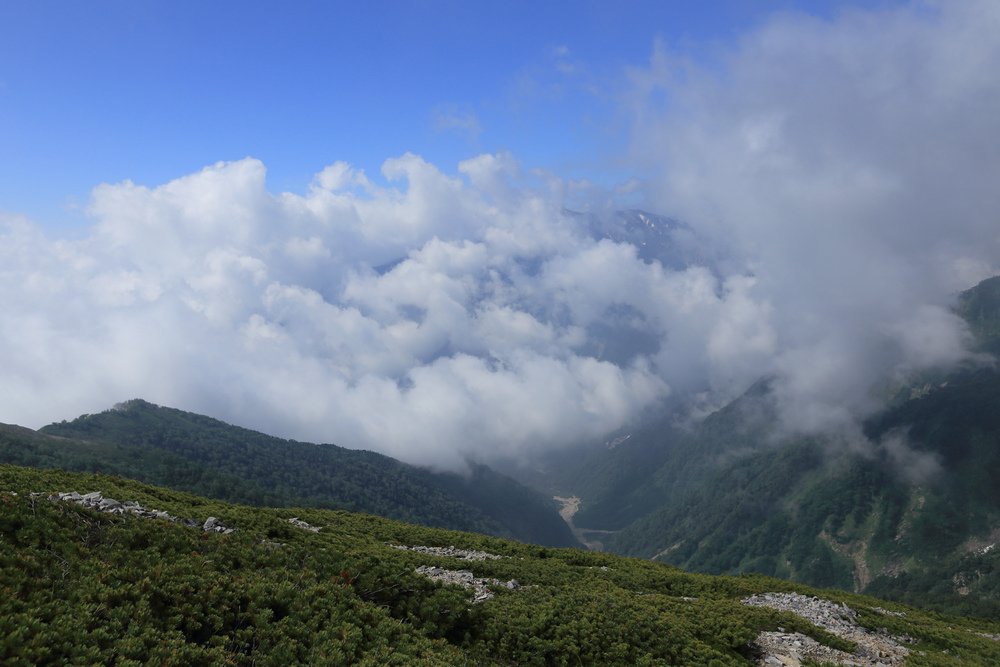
(725, 496)
(587, 537)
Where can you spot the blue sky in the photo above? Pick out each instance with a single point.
(106, 91)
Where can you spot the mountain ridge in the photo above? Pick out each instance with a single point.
(201, 454)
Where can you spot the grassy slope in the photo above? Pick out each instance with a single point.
(88, 587)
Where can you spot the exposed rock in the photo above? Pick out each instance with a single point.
(857, 552)
(790, 649)
(96, 501)
(108, 504)
(213, 525)
(299, 523)
(873, 649)
(465, 579)
(886, 612)
(450, 552)
(982, 544)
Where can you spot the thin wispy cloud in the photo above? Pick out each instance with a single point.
(448, 118)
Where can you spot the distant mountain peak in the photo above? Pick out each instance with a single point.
(656, 238)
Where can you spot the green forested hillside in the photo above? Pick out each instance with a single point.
(661, 464)
(980, 307)
(203, 455)
(98, 587)
(914, 518)
(857, 521)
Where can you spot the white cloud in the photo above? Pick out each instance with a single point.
(843, 169)
(915, 466)
(848, 165)
(406, 319)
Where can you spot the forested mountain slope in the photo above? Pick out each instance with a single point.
(195, 453)
(980, 307)
(99, 570)
(914, 517)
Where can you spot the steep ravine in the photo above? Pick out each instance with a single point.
(569, 507)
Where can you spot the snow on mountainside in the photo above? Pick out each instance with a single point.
(655, 237)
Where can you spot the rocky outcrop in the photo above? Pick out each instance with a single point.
(213, 525)
(790, 649)
(781, 649)
(449, 552)
(466, 579)
(299, 523)
(96, 501)
(480, 587)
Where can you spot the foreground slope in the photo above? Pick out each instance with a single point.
(149, 577)
(203, 455)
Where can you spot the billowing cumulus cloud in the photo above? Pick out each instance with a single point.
(439, 318)
(838, 184)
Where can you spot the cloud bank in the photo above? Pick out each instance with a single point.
(439, 318)
(850, 166)
(845, 172)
